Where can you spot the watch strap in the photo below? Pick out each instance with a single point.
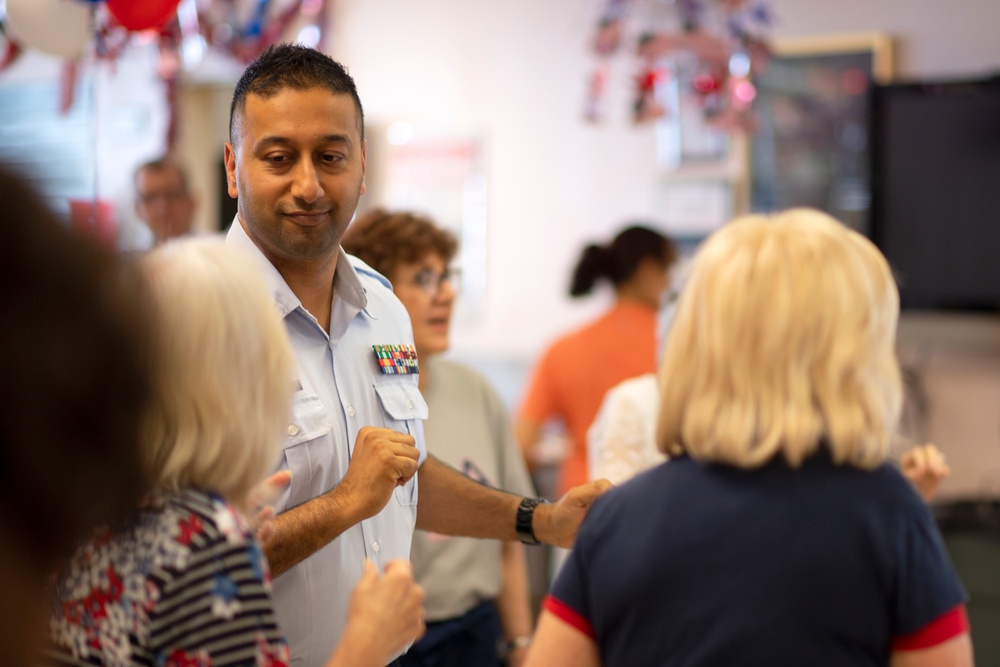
(525, 514)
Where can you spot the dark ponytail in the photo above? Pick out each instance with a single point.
(595, 262)
(619, 260)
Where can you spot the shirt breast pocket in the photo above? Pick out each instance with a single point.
(308, 449)
(402, 405)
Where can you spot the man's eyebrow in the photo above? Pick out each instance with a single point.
(277, 140)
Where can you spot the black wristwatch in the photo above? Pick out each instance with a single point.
(525, 513)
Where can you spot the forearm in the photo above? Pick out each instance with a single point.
(381, 461)
(302, 531)
(558, 644)
(452, 504)
(514, 600)
(955, 652)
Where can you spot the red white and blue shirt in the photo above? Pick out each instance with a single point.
(184, 585)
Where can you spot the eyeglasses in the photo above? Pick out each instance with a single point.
(168, 196)
(432, 281)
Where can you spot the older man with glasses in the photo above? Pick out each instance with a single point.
(163, 200)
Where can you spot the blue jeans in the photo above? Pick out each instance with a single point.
(470, 640)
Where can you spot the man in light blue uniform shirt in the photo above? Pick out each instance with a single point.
(296, 161)
(364, 310)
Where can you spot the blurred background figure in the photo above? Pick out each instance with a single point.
(621, 441)
(569, 382)
(924, 465)
(185, 581)
(74, 381)
(777, 534)
(163, 199)
(477, 602)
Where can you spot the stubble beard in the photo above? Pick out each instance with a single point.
(286, 242)
(311, 243)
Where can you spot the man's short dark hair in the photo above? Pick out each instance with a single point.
(293, 66)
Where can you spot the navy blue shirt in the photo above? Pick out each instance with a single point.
(695, 564)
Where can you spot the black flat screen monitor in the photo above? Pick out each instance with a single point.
(936, 192)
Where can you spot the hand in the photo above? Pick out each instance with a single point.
(262, 498)
(382, 460)
(558, 523)
(517, 657)
(385, 615)
(924, 466)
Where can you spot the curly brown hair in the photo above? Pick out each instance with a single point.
(384, 239)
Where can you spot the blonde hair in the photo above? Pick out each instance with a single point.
(223, 386)
(783, 339)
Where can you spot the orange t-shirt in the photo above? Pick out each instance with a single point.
(573, 375)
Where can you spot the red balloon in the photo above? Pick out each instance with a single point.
(142, 14)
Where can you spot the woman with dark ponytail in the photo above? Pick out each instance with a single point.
(575, 372)
(621, 260)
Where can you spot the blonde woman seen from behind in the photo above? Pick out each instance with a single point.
(622, 440)
(185, 581)
(777, 534)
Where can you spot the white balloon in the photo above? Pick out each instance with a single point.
(59, 27)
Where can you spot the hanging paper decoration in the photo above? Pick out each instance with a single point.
(192, 43)
(594, 110)
(228, 26)
(713, 46)
(646, 105)
(9, 48)
(60, 27)
(183, 30)
(68, 74)
(139, 15)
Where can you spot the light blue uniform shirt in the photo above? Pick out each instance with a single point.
(342, 390)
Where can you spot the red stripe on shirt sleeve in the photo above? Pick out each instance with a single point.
(568, 615)
(941, 629)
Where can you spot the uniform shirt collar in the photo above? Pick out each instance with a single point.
(346, 284)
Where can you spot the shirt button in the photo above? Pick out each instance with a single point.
(350, 410)
(375, 546)
(292, 429)
(409, 403)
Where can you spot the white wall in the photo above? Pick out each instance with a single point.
(517, 71)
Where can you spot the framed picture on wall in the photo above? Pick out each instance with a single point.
(693, 208)
(812, 145)
(438, 172)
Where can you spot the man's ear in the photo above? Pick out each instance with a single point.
(364, 165)
(230, 158)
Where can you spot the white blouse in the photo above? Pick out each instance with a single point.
(622, 442)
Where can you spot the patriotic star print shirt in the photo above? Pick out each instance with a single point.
(184, 585)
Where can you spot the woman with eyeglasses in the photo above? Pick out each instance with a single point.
(477, 600)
